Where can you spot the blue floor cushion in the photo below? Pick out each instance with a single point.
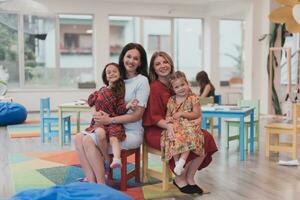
(73, 191)
(12, 113)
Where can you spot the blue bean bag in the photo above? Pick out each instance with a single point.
(12, 113)
(73, 191)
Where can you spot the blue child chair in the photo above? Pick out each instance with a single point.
(49, 124)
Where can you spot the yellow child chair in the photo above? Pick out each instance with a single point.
(165, 175)
(204, 101)
(236, 123)
(291, 129)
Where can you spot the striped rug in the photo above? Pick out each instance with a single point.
(31, 128)
(44, 169)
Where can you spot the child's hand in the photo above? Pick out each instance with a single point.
(177, 115)
(132, 104)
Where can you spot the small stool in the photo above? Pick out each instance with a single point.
(125, 176)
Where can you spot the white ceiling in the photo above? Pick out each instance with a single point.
(180, 2)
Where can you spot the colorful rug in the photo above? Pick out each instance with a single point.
(40, 170)
(31, 128)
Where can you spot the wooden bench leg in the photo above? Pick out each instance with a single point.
(165, 176)
(145, 164)
(137, 165)
(123, 173)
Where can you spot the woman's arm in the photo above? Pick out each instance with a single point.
(206, 90)
(196, 113)
(164, 124)
(104, 119)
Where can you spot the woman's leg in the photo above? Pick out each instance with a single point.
(116, 149)
(192, 168)
(85, 165)
(102, 142)
(95, 158)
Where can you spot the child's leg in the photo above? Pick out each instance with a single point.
(181, 162)
(176, 157)
(115, 144)
(102, 141)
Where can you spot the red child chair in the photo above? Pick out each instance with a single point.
(125, 176)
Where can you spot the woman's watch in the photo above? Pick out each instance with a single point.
(113, 121)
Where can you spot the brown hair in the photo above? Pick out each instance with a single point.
(178, 75)
(143, 68)
(118, 88)
(203, 80)
(152, 75)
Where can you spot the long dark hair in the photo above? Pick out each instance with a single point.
(118, 87)
(203, 80)
(152, 75)
(143, 68)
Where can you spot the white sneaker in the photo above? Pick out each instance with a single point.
(289, 162)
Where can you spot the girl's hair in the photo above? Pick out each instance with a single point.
(178, 75)
(118, 88)
(203, 80)
(142, 69)
(152, 75)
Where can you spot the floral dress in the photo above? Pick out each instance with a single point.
(188, 136)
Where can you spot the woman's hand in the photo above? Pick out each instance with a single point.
(170, 131)
(177, 115)
(101, 118)
(198, 121)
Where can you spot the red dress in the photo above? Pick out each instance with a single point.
(156, 110)
(104, 100)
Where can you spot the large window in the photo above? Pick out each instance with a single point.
(76, 49)
(42, 64)
(157, 35)
(181, 38)
(188, 46)
(231, 48)
(121, 31)
(39, 55)
(9, 48)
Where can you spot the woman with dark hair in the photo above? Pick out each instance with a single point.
(207, 89)
(154, 120)
(133, 68)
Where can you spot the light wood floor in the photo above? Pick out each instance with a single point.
(226, 177)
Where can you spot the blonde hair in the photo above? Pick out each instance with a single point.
(177, 75)
(152, 75)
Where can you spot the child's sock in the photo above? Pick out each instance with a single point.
(116, 163)
(179, 166)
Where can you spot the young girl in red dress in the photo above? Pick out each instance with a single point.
(185, 136)
(110, 99)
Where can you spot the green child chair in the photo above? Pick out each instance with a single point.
(236, 123)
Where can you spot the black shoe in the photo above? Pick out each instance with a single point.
(196, 189)
(185, 189)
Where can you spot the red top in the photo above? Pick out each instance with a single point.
(104, 100)
(156, 110)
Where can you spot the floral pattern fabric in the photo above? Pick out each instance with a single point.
(188, 136)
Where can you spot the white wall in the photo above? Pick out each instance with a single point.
(252, 11)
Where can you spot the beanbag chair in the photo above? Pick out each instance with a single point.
(73, 191)
(12, 113)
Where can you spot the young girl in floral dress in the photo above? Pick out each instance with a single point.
(185, 136)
